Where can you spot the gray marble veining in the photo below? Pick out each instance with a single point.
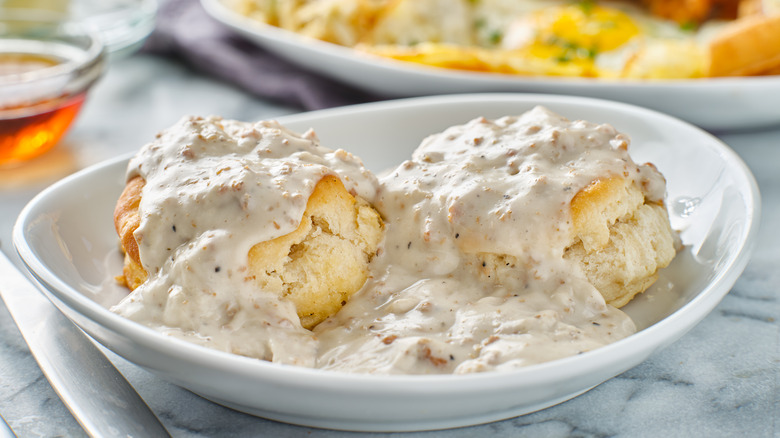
(720, 379)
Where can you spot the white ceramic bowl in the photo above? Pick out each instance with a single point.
(66, 238)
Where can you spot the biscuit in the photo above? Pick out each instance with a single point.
(127, 218)
(620, 239)
(325, 260)
(318, 266)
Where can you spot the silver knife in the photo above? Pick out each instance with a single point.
(5, 429)
(98, 396)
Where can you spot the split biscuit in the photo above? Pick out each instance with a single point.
(620, 239)
(325, 260)
(318, 266)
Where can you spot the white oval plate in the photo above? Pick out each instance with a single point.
(714, 104)
(66, 238)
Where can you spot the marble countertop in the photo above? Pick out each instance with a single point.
(721, 379)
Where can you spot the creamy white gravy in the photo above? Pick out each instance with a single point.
(213, 189)
(470, 277)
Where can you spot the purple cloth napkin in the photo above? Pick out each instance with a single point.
(186, 31)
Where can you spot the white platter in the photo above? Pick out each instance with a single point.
(714, 104)
(66, 238)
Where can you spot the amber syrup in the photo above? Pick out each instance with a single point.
(32, 128)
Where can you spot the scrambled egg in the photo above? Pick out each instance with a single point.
(548, 38)
(572, 35)
(611, 39)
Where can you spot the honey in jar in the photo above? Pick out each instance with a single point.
(46, 67)
(30, 128)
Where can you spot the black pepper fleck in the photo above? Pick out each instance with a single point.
(217, 269)
(173, 228)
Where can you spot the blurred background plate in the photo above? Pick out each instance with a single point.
(716, 104)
